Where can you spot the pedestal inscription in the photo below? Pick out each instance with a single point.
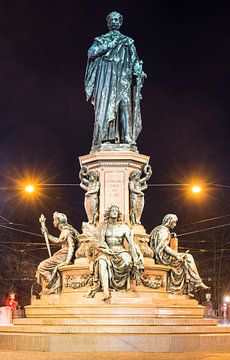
(114, 189)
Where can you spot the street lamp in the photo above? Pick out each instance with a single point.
(196, 189)
(29, 188)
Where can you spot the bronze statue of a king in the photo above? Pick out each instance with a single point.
(113, 82)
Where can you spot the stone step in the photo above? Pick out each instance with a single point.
(217, 339)
(116, 299)
(117, 320)
(112, 329)
(115, 310)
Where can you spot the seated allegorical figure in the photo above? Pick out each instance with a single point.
(183, 277)
(47, 274)
(114, 264)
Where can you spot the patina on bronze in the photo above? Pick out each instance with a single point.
(47, 273)
(113, 83)
(183, 276)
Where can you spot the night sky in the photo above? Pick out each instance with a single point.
(46, 123)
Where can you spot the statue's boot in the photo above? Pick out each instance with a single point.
(128, 140)
(202, 286)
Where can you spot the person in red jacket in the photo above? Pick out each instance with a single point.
(12, 302)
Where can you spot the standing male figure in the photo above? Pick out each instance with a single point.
(113, 81)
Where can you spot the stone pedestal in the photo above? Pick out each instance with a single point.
(5, 315)
(114, 168)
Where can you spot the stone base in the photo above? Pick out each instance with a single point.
(61, 335)
(127, 306)
(5, 315)
(144, 320)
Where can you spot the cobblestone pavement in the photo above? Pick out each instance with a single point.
(31, 355)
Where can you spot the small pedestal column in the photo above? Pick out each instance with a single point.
(114, 168)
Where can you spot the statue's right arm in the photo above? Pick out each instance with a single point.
(133, 189)
(101, 46)
(53, 239)
(83, 186)
(147, 177)
(172, 252)
(97, 49)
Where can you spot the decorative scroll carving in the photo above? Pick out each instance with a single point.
(76, 282)
(156, 283)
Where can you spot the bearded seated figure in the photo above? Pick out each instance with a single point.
(183, 277)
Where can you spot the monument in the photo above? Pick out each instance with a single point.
(112, 286)
(111, 175)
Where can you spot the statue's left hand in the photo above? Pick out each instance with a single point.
(62, 264)
(180, 257)
(173, 235)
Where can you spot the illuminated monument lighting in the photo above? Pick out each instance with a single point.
(114, 287)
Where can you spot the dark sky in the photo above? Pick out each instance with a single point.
(46, 123)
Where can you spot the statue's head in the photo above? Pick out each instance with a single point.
(113, 212)
(59, 219)
(170, 221)
(114, 20)
(135, 174)
(93, 176)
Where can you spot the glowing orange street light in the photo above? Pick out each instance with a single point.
(29, 188)
(196, 189)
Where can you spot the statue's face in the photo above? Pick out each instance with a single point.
(55, 221)
(92, 177)
(114, 21)
(113, 212)
(138, 175)
(173, 223)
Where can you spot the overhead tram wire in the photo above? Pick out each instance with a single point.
(21, 231)
(206, 220)
(202, 230)
(151, 185)
(179, 235)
